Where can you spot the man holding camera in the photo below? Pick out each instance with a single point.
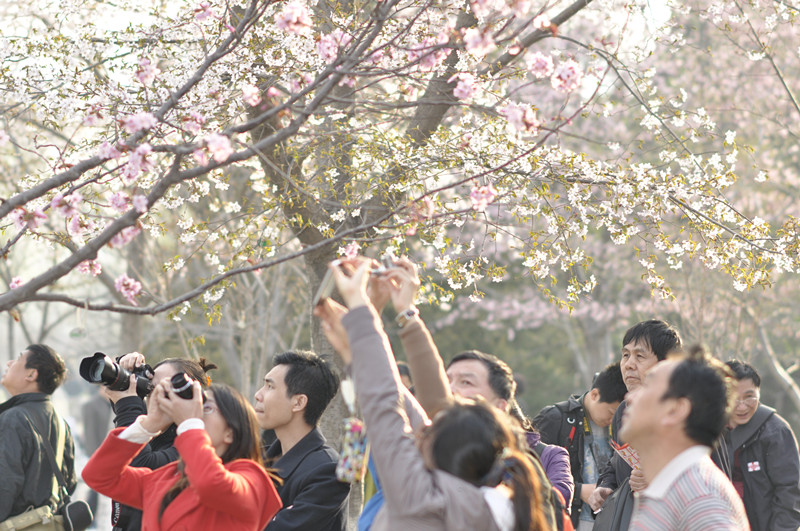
(26, 475)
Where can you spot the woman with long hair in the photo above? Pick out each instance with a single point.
(218, 482)
(464, 470)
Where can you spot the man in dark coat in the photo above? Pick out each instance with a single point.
(760, 456)
(296, 392)
(26, 475)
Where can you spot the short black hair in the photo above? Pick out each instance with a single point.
(309, 375)
(662, 338)
(50, 368)
(403, 369)
(743, 371)
(501, 377)
(610, 384)
(707, 383)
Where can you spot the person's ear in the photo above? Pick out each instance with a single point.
(299, 403)
(32, 375)
(501, 404)
(228, 437)
(679, 411)
(594, 394)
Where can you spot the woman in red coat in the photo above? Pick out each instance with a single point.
(219, 481)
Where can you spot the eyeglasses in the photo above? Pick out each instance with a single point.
(209, 408)
(750, 401)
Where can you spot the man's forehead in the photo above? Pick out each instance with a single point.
(467, 367)
(276, 374)
(638, 345)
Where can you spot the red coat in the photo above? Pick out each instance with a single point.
(236, 496)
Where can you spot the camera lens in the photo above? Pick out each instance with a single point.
(182, 386)
(101, 369)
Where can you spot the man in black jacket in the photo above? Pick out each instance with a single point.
(760, 456)
(26, 475)
(296, 392)
(585, 419)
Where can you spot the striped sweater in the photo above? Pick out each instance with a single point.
(689, 494)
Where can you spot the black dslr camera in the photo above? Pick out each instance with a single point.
(101, 369)
(183, 387)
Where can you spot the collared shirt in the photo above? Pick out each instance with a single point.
(689, 494)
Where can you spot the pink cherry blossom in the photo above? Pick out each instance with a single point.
(108, 151)
(273, 92)
(138, 122)
(466, 87)
(567, 76)
(128, 287)
(93, 117)
(66, 205)
(203, 11)
(294, 18)
(15, 283)
(330, 44)
(251, 95)
(478, 42)
(351, 250)
(3, 138)
(484, 8)
(540, 65)
(147, 71)
(138, 163)
(430, 207)
(521, 117)
(120, 202)
(219, 146)
(78, 226)
(90, 267)
(124, 237)
(482, 196)
(193, 122)
(430, 53)
(30, 219)
(140, 203)
(200, 156)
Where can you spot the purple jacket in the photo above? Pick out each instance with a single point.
(555, 461)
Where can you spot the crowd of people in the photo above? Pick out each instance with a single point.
(668, 438)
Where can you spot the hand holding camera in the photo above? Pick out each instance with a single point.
(173, 405)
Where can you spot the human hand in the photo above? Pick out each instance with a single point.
(178, 409)
(405, 284)
(330, 314)
(156, 419)
(638, 482)
(586, 491)
(352, 286)
(114, 396)
(131, 360)
(598, 497)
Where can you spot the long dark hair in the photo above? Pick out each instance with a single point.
(475, 442)
(241, 419)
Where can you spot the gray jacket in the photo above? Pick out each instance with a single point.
(416, 498)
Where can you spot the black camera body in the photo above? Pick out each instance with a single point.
(183, 386)
(101, 369)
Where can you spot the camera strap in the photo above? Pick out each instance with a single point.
(59, 492)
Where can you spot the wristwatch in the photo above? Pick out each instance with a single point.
(404, 317)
